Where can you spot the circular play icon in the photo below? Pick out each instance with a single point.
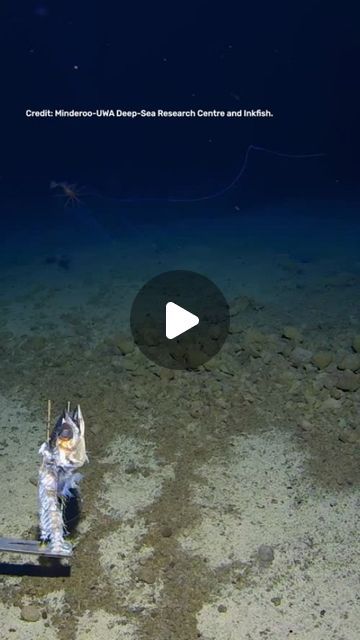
(179, 319)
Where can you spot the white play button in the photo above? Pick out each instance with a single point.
(178, 320)
(165, 309)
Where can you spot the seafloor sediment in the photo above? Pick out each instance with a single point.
(220, 504)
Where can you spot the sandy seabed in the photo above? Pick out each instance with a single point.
(220, 504)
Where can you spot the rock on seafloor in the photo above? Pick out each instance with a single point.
(351, 361)
(347, 381)
(322, 359)
(292, 333)
(299, 356)
(30, 613)
(265, 553)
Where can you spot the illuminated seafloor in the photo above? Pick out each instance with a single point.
(220, 504)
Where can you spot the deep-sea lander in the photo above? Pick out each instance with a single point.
(63, 453)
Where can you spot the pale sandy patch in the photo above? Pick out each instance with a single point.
(21, 436)
(125, 494)
(121, 554)
(259, 493)
(104, 626)
(12, 626)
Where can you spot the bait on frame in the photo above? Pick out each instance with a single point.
(63, 453)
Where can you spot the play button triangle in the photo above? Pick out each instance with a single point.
(178, 320)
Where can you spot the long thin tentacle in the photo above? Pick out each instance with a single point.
(227, 187)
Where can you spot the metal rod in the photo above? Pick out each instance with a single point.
(48, 421)
(15, 545)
